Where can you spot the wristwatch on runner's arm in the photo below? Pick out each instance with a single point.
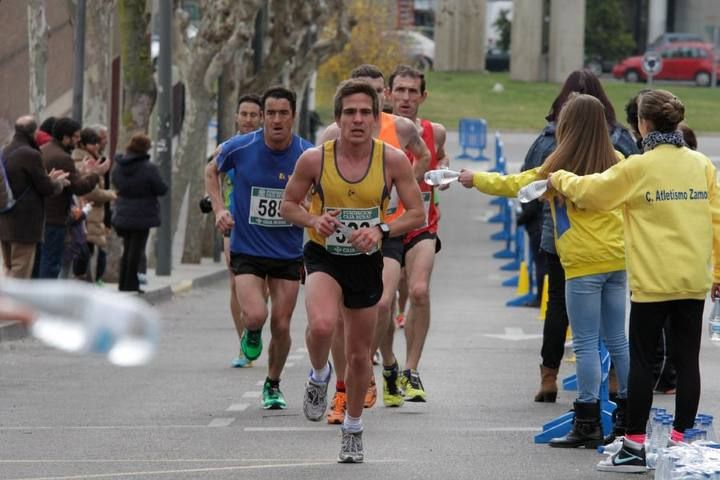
(385, 230)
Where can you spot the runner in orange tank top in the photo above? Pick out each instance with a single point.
(401, 133)
(407, 92)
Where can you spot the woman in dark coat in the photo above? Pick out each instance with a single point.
(137, 209)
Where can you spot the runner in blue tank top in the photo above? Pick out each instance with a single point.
(263, 245)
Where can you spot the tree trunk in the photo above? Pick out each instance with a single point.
(138, 92)
(97, 58)
(37, 51)
(137, 71)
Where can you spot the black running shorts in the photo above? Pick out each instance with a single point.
(241, 264)
(359, 276)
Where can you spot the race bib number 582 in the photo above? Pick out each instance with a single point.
(265, 207)
(355, 218)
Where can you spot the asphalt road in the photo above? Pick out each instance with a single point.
(188, 415)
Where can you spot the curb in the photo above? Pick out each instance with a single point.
(16, 331)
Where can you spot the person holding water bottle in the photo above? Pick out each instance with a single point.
(592, 253)
(671, 210)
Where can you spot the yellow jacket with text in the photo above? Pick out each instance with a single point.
(671, 208)
(587, 242)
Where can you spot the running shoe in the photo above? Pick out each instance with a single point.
(241, 362)
(351, 448)
(392, 394)
(315, 399)
(376, 358)
(272, 397)
(371, 394)
(412, 386)
(630, 459)
(336, 415)
(251, 344)
(400, 320)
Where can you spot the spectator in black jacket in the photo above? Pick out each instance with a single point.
(21, 228)
(137, 209)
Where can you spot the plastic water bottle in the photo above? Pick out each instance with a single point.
(532, 191)
(442, 176)
(81, 318)
(714, 322)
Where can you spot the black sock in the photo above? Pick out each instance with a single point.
(391, 368)
(273, 383)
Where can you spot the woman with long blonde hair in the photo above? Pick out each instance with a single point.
(592, 253)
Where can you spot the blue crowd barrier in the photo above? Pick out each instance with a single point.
(519, 254)
(473, 135)
(561, 425)
(507, 221)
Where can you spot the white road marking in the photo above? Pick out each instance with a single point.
(513, 334)
(289, 364)
(176, 472)
(221, 422)
(289, 429)
(301, 350)
(295, 357)
(260, 383)
(251, 394)
(237, 407)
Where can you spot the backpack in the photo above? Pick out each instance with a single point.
(7, 199)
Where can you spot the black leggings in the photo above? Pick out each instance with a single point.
(646, 323)
(556, 319)
(134, 242)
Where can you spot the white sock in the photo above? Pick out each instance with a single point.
(630, 443)
(321, 375)
(352, 424)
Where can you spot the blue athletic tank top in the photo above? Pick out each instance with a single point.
(259, 176)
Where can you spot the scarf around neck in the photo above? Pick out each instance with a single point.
(655, 138)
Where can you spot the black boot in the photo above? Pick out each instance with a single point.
(586, 430)
(618, 418)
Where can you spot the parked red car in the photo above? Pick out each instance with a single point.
(680, 61)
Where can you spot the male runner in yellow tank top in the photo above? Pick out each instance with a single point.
(350, 180)
(400, 133)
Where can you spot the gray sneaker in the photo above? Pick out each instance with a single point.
(315, 399)
(351, 448)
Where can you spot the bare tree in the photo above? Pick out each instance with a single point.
(294, 45)
(97, 57)
(38, 47)
(226, 26)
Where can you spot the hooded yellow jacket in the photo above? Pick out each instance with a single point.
(587, 242)
(671, 214)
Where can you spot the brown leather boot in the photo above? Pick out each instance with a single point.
(548, 385)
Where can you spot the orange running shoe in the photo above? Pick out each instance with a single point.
(400, 320)
(371, 394)
(336, 415)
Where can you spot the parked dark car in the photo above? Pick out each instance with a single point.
(680, 61)
(497, 60)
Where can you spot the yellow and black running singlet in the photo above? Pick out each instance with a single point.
(361, 203)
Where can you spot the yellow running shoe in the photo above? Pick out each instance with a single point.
(392, 395)
(412, 386)
(336, 415)
(371, 394)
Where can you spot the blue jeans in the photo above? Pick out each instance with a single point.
(51, 252)
(596, 307)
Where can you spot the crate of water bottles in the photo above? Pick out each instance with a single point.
(696, 457)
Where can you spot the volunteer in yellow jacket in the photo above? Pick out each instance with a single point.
(592, 253)
(672, 222)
